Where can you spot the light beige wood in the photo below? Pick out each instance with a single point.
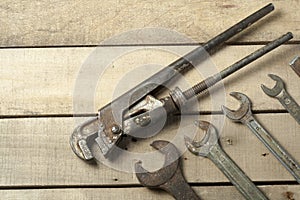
(36, 151)
(276, 192)
(42, 81)
(89, 23)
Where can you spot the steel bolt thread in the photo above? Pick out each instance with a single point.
(210, 81)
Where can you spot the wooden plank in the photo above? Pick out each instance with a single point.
(36, 152)
(276, 192)
(56, 70)
(89, 23)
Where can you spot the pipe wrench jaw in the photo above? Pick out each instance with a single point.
(148, 117)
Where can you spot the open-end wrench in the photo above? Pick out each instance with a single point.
(279, 92)
(168, 178)
(210, 148)
(244, 115)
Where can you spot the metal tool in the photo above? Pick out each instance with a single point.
(168, 178)
(279, 92)
(209, 147)
(295, 65)
(133, 111)
(244, 115)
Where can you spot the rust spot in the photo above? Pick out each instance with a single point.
(185, 158)
(115, 179)
(289, 195)
(265, 154)
(229, 141)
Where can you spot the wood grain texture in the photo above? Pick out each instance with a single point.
(36, 152)
(282, 192)
(82, 80)
(44, 23)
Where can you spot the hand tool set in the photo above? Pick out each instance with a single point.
(139, 108)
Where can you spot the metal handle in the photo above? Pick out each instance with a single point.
(237, 177)
(179, 188)
(290, 104)
(276, 149)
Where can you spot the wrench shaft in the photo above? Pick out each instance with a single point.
(179, 188)
(237, 177)
(274, 147)
(289, 104)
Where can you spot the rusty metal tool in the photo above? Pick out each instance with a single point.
(109, 127)
(168, 178)
(295, 65)
(133, 111)
(279, 92)
(209, 147)
(244, 115)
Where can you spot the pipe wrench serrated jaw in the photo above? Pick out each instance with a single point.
(276, 90)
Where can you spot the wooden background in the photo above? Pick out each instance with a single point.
(44, 44)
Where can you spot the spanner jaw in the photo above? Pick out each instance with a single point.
(154, 179)
(277, 89)
(202, 148)
(242, 111)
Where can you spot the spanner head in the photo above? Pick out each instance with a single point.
(276, 89)
(202, 148)
(243, 111)
(161, 176)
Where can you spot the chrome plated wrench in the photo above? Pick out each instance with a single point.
(210, 148)
(279, 92)
(244, 115)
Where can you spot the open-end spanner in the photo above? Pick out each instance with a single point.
(279, 92)
(210, 148)
(168, 178)
(244, 115)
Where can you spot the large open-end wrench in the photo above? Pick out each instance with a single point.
(244, 115)
(279, 92)
(168, 178)
(210, 148)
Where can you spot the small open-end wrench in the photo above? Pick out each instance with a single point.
(244, 115)
(168, 178)
(210, 148)
(279, 92)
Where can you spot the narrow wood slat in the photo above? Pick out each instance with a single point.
(36, 152)
(276, 192)
(42, 81)
(89, 23)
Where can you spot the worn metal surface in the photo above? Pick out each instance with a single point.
(279, 92)
(112, 114)
(168, 178)
(200, 87)
(295, 65)
(244, 115)
(209, 147)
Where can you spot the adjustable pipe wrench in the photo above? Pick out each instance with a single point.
(120, 118)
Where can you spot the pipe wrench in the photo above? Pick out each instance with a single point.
(133, 111)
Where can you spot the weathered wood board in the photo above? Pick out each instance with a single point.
(36, 152)
(279, 192)
(58, 70)
(61, 23)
